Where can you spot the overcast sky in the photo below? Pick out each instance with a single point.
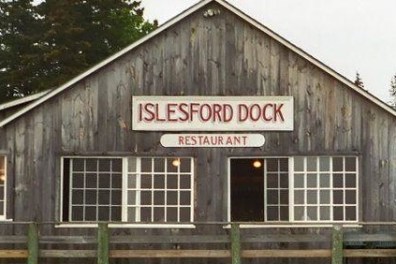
(347, 35)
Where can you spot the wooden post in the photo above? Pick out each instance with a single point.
(235, 244)
(103, 243)
(337, 246)
(33, 247)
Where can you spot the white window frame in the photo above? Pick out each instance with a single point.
(124, 195)
(85, 188)
(278, 189)
(331, 189)
(138, 174)
(3, 217)
(291, 188)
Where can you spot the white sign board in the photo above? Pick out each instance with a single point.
(212, 140)
(212, 113)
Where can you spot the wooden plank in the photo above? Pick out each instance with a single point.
(360, 237)
(287, 253)
(13, 239)
(337, 246)
(68, 240)
(13, 254)
(235, 244)
(52, 253)
(271, 238)
(369, 253)
(313, 253)
(103, 244)
(170, 254)
(33, 244)
(164, 239)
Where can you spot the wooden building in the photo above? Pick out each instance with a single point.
(211, 118)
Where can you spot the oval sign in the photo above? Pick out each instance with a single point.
(212, 140)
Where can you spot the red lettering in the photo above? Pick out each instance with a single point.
(265, 112)
(150, 113)
(258, 112)
(243, 112)
(194, 141)
(216, 112)
(208, 112)
(181, 140)
(193, 109)
(157, 114)
(183, 108)
(244, 140)
(171, 110)
(278, 112)
(140, 112)
(227, 109)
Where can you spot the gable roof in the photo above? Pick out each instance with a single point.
(178, 18)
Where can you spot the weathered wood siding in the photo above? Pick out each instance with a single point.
(221, 55)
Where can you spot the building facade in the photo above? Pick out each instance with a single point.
(211, 118)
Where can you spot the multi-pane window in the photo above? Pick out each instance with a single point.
(3, 185)
(325, 189)
(276, 188)
(95, 189)
(296, 189)
(160, 190)
(128, 189)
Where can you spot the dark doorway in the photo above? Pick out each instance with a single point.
(247, 190)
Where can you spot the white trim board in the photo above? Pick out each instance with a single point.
(178, 18)
(125, 225)
(22, 100)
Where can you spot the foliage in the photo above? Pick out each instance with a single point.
(19, 32)
(43, 46)
(358, 81)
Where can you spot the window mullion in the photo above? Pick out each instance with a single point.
(178, 192)
(291, 189)
(138, 188)
(70, 188)
(84, 188)
(97, 191)
(124, 191)
(165, 192)
(357, 187)
(152, 190)
(192, 188)
(265, 190)
(331, 189)
(318, 201)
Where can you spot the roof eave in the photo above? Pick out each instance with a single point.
(22, 100)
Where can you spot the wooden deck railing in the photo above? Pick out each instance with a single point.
(103, 246)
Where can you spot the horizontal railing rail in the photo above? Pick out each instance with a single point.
(379, 240)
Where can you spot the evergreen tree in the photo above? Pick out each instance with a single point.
(19, 31)
(54, 41)
(358, 81)
(392, 92)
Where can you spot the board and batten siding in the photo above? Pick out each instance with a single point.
(219, 56)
